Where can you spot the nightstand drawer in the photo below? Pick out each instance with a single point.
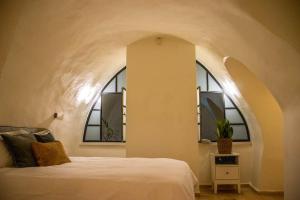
(227, 172)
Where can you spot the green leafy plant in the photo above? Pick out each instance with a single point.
(224, 130)
(109, 130)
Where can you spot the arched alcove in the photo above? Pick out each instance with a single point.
(268, 147)
(50, 52)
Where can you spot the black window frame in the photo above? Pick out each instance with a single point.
(208, 73)
(93, 109)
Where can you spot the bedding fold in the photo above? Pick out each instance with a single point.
(101, 178)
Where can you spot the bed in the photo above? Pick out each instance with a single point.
(101, 178)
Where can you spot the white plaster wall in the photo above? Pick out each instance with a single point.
(161, 100)
(270, 119)
(53, 48)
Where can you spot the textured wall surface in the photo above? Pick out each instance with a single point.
(52, 52)
(161, 103)
(268, 149)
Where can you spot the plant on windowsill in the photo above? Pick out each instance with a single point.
(224, 136)
(109, 131)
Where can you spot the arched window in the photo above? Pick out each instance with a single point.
(106, 121)
(212, 104)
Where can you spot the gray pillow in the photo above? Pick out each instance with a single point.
(5, 157)
(44, 138)
(19, 147)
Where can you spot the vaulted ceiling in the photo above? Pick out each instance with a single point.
(51, 49)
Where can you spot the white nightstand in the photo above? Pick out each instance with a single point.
(225, 170)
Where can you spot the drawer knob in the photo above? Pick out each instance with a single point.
(227, 173)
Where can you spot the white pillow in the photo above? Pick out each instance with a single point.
(43, 132)
(5, 157)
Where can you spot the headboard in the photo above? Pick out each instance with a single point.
(12, 128)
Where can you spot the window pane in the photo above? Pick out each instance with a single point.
(201, 78)
(121, 80)
(198, 97)
(124, 98)
(212, 85)
(95, 117)
(124, 132)
(199, 129)
(239, 132)
(233, 116)
(124, 119)
(228, 103)
(212, 109)
(92, 133)
(98, 104)
(112, 114)
(111, 86)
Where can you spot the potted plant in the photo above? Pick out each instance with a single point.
(224, 136)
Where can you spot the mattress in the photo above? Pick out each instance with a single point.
(100, 178)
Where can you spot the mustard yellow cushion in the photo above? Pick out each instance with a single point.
(51, 153)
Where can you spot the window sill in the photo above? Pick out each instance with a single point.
(233, 143)
(102, 144)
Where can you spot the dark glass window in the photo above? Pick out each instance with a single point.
(109, 111)
(107, 119)
(211, 110)
(210, 96)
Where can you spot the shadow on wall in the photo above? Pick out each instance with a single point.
(268, 148)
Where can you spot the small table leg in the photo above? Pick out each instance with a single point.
(215, 188)
(239, 188)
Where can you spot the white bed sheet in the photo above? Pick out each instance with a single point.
(100, 178)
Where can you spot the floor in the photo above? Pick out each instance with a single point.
(247, 193)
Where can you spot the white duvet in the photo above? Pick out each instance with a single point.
(91, 178)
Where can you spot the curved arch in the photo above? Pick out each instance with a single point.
(268, 148)
(36, 63)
